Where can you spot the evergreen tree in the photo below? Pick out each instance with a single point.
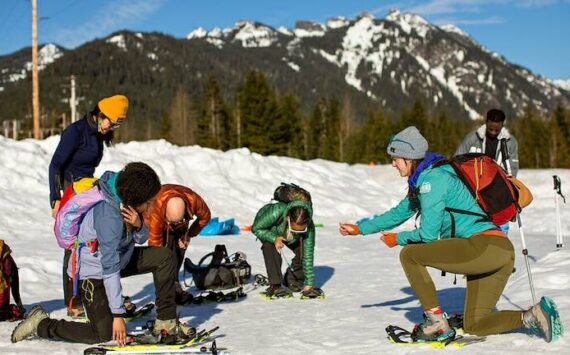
(213, 124)
(183, 119)
(257, 111)
(315, 129)
(329, 140)
(292, 125)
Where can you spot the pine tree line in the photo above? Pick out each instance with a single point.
(258, 117)
(253, 114)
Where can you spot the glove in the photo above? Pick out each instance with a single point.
(349, 229)
(390, 239)
(312, 293)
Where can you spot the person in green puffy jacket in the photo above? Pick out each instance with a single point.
(451, 237)
(289, 224)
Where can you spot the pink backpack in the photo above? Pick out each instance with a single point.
(71, 214)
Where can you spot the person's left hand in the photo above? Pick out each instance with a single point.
(131, 217)
(348, 229)
(390, 239)
(183, 242)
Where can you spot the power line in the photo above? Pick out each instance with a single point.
(62, 10)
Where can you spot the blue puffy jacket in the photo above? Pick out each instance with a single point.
(104, 222)
(437, 188)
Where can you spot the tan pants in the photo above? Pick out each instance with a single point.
(487, 262)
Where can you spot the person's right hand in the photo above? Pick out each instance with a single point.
(279, 243)
(119, 330)
(55, 209)
(348, 229)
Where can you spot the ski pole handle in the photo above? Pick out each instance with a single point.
(558, 186)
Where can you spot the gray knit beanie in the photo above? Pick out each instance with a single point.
(408, 144)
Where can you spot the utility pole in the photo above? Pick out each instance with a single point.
(35, 83)
(72, 102)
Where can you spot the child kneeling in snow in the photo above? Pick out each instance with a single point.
(115, 223)
(480, 250)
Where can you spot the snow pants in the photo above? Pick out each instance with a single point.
(171, 242)
(486, 260)
(99, 329)
(273, 260)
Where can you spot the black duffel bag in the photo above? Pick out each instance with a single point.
(222, 272)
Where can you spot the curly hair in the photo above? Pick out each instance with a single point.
(137, 183)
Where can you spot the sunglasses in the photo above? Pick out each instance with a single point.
(295, 231)
(114, 125)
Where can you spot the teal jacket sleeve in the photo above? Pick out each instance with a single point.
(265, 221)
(391, 219)
(432, 201)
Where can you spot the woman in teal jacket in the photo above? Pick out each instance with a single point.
(455, 242)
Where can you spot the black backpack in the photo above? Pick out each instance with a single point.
(222, 272)
(287, 192)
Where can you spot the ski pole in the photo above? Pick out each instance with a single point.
(506, 160)
(558, 191)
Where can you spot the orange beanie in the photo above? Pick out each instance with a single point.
(114, 107)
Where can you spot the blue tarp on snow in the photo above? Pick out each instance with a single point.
(215, 227)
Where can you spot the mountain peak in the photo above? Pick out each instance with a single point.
(563, 84)
(309, 29)
(254, 34)
(409, 22)
(337, 22)
(454, 29)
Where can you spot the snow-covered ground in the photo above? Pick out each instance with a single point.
(365, 286)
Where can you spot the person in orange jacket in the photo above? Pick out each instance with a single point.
(168, 221)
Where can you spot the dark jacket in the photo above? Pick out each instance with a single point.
(77, 155)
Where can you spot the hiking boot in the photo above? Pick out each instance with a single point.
(277, 291)
(29, 326)
(172, 331)
(312, 293)
(456, 321)
(544, 316)
(76, 313)
(292, 281)
(434, 328)
(182, 297)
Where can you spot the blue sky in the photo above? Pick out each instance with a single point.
(532, 33)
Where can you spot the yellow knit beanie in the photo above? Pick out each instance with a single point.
(114, 107)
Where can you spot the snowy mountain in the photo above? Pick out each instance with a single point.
(369, 62)
(365, 286)
(20, 64)
(403, 56)
(563, 84)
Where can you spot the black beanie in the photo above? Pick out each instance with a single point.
(137, 183)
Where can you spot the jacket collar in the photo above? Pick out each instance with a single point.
(108, 185)
(429, 160)
(481, 133)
